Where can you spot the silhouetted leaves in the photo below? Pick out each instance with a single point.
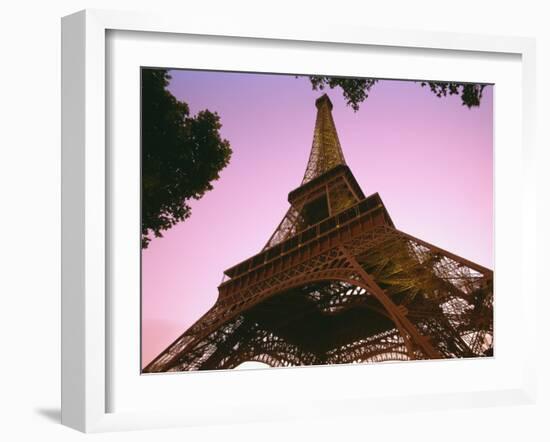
(181, 155)
(470, 93)
(356, 90)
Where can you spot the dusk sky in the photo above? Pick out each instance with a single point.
(429, 158)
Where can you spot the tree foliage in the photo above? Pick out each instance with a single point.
(470, 93)
(356, 90)
(181, 155)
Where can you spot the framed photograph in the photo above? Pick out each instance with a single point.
(291, 223)
(336, 282)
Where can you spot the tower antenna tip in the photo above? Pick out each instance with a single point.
(323, 99)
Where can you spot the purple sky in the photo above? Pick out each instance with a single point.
(431, 160)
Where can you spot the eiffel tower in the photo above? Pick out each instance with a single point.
(338, 283)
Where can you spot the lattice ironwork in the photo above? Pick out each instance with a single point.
(338, 283)
(326, 152)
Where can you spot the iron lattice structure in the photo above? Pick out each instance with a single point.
(338, 283)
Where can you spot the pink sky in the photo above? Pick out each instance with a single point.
(431, 160)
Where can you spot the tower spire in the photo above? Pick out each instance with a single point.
(326, 151)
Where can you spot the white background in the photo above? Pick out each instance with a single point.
(30, 216)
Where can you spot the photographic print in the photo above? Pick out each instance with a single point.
(297, 220)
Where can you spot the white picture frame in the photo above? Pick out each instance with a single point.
(87, 357)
